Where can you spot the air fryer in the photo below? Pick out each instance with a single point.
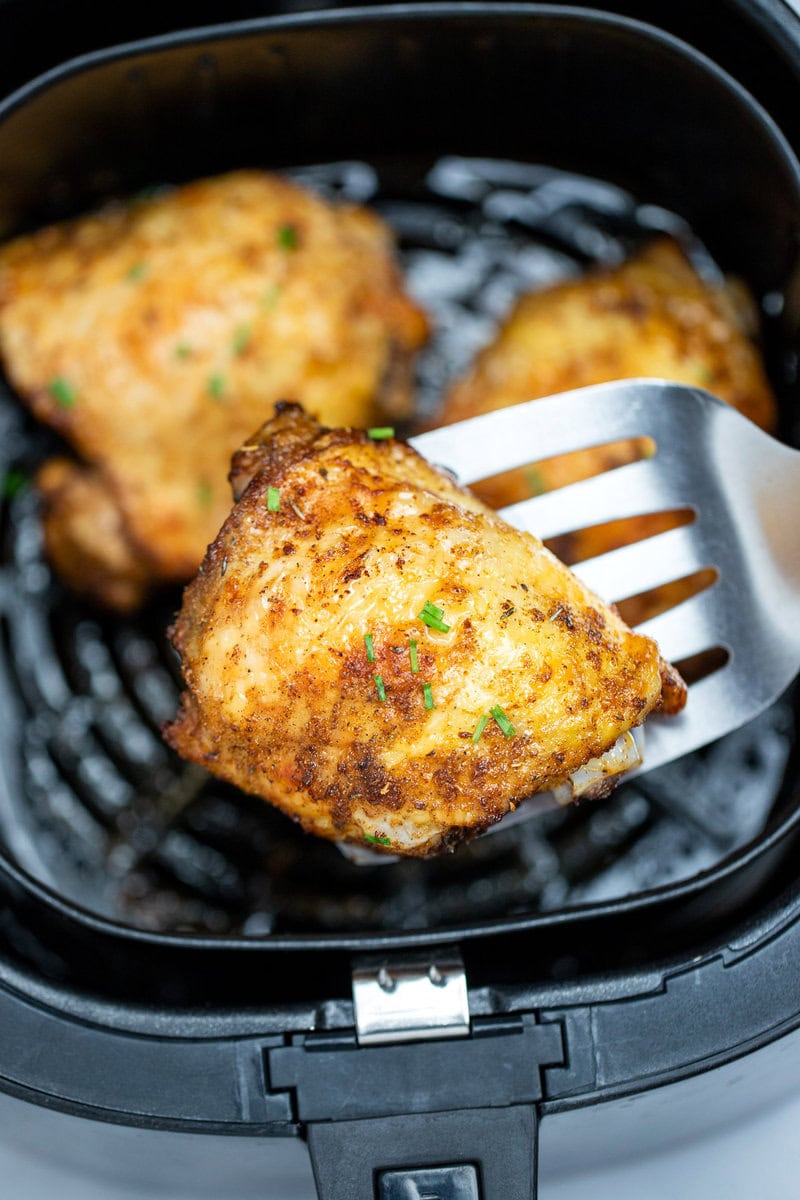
(180, 958)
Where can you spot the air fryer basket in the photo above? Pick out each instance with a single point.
(175, 956)
(508, 146)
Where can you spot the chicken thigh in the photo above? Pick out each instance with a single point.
(154, 336)
(652, 316)
(371, 649)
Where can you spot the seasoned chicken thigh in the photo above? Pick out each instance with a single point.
(653, 316)
(370, 648)
(155, 336)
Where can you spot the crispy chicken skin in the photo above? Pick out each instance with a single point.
(154, 336)
(653, 316)
(281, 697)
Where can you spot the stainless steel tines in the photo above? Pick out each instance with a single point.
(744, 490)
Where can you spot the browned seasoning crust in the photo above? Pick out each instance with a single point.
(154, 336)
(652, 316)
(85, 535)
(281, 698)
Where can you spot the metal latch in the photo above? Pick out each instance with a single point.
(398, 1103)
(410, 999)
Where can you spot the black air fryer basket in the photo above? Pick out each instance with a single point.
(508, 145)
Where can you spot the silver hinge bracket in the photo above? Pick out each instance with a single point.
(410, 999)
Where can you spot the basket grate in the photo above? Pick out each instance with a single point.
(93, 803)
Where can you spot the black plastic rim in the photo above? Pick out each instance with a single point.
(675, 894)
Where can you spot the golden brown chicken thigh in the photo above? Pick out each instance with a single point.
(154, 336)
(653, 316)
(370, 648)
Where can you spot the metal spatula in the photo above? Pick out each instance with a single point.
(744, 488)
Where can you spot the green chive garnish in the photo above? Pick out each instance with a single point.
(381, 432)
(377, 841)
(62, 392)
(288, 238)
(273, 499)
(216, 385)
(534, 480)
(14, 482)
(183, 350)
(431, 616)
(412, 650)
(479, 728)
(370, 647)
(205, 493)
(502, 720)
(434, 622)
(137, 272)
(241, 339)
(379, 685)
(270, 297)
(427, 694)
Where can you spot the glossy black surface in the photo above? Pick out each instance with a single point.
(119, 828)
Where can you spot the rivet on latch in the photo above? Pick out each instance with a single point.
(385, 981)
(410, 999)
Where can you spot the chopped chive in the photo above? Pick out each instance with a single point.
(507, 612)
(270, 297)
(288, 238)
(62, 392)
(433, 609)
(412, 650)
(370, 647)
(14, 482)
(427, 694)
(137, 272)
(432, 617)
(434, 623)
(216, 385)
(379, 685)
(242, 336)
(535, 482)
(479, 728)
(183, 350)
(502, 720)
(381, 432)
(205, 493)
(273, 499)
(377, 841)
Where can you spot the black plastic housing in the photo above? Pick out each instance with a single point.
(507, 80)
(152, 1029)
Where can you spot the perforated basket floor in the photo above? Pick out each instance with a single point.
(93, 803)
